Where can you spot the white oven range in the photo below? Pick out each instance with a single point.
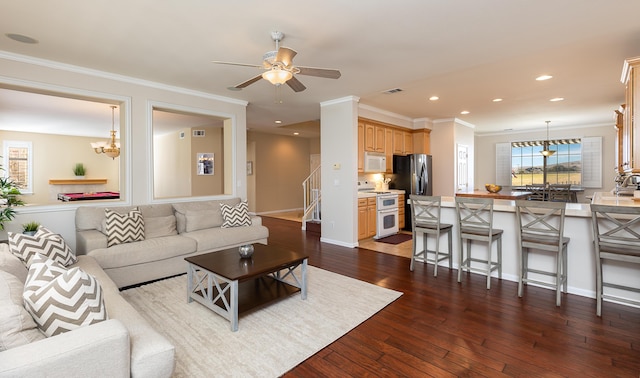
(386, 214)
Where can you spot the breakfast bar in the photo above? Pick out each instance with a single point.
(581, 253)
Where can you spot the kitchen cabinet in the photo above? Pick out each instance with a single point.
(374, 137)
(422, 141)
(401, 211)
(388, 148)
(362, 218)
(360, 147)
(366, 217)
(630, 143)
(402, 142)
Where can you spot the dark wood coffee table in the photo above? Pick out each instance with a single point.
(229, 285)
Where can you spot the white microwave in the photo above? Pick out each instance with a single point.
(374, 162)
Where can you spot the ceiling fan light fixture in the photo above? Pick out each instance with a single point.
(277, 76)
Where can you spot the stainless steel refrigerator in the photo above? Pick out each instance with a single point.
(412, 173)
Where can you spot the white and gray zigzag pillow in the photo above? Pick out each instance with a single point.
(124, 228)
(44, 242)
(61, 300)
(235, 216)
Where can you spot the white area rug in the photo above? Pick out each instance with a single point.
(269, 341)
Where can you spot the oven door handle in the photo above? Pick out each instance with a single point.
(388, 211)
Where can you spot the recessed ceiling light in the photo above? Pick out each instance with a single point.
(497, 100)
(21, 38)
(296, 133)
(557, 99)
(278, 121)
(543, 77)
(434, 98)
(464, 112)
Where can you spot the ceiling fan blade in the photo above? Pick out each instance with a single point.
(249, 82)
(319, 72)
(285, 55)
(237, 64)
(296, 85)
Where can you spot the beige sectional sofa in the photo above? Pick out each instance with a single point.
(172, 232)
(125, 345)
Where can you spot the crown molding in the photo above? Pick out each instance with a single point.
(111, 76)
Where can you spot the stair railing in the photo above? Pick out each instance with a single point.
(311, 194)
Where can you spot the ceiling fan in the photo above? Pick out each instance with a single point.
(279, 68)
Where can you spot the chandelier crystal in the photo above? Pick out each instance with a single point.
(109, 148)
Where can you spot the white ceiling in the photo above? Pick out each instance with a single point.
(467, 52)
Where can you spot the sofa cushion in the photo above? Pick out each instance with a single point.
(182, 208)
(12, 264)
(143, 251)
(235, 216)
(16, 325)
(222, 238)
(199, 220)
(60, 301)
(156, 227)
(45, 242)
(124, 228)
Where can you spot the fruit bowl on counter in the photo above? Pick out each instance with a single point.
(492, 188)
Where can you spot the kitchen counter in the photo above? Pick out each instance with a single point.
(609, 199)
(513, 195)
(365, 194)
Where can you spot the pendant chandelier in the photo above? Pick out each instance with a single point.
(546, 152)
(109, 148)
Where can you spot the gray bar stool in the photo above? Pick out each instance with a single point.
(616, 236)
(541, 228)
(475, 223)
(425, 217)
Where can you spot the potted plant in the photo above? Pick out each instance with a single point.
(79, 170)
(9, 192)
(30, 228)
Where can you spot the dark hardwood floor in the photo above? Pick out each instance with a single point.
(440, 327)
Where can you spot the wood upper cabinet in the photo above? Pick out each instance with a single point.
(402, 142)
(388, 149)
(369, 137)
(630, 138)
(422, 141)
(360, 147)
(374, 137)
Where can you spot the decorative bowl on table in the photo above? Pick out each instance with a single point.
(492, 188)
(245, 251)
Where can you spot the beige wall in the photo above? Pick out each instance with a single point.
(54, 157)
(485, 166)
(212, 142)
(172, 173)
(281, 164)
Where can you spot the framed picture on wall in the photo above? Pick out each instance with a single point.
(205, 163)
(249, 168)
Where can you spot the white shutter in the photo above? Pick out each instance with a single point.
(503, 164)
(592, 162)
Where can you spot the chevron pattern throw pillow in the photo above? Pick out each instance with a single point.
(235, 216)
(44, 242)
(124, 228)
(61, 300)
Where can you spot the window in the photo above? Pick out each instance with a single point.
(563, 167)
(18, 164)
(576, 161)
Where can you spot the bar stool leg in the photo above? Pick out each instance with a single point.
(415, 251)
(435, 268)
(450, 248)
(489, 265)
(559, 282)
(460, 259)
(499, 241)
(565, 269)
